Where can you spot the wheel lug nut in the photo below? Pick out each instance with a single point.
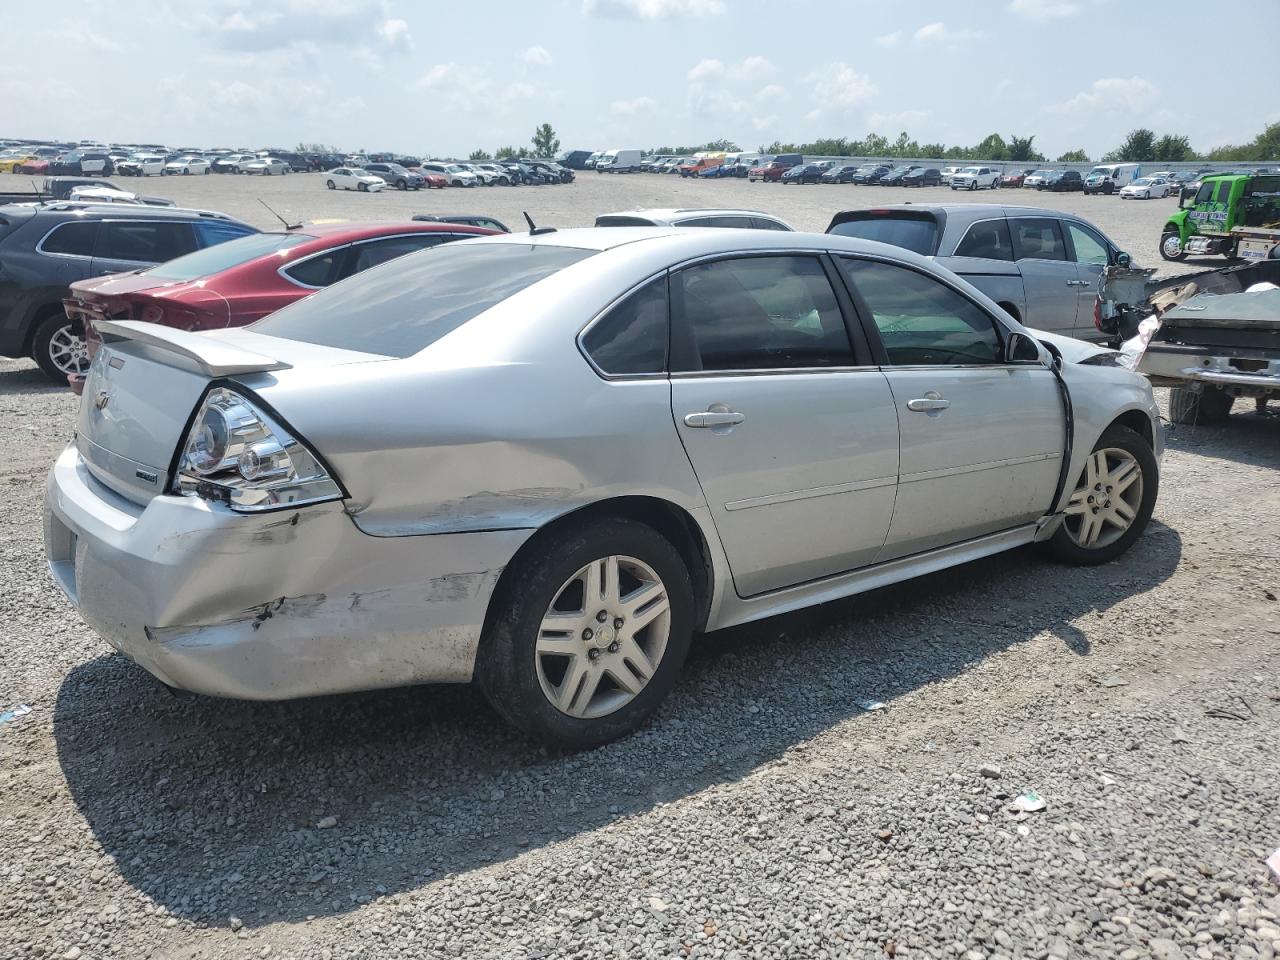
(594, 655)
(602, 616)
(588, 633)
(613, 647)
(617, 623)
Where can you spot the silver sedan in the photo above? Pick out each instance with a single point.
(543, 462)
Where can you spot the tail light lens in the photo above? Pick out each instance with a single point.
(240, 455)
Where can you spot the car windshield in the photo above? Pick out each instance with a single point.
(1144, 182)
(907, 230)
(454, 168)
(404, 306)
(224, 256)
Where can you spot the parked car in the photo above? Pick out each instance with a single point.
(772, 171)
(344, 496)
(141, 165)
(923, 177)
(870, 173)
(673, 165)
(185, 166)
(45, 247)
(896, 176)
(1144, 188)
(457, 176)
(976, 178)
(231, 162)
(397, 176)
(693, 217)
(81, 163)
(468, 219)
(949, 172)
(33, 166)
(1015, 178)
(840, 173)
(243, 280)
(1036, 179)
(1041, 266)
(619, 161)
(1062, 181)
(804, 173)
(1111, 177)
(498, 174)
(267, 167)
(574, 159)
(13, 162)
(354, 178)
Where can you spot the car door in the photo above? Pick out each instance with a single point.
(981, 439)
(1091, 254)
(790, 429)
(1050, 282)
(133, 244)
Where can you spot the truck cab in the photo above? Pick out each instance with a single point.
(1230, 214)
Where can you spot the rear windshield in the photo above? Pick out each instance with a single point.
(407, 304)
(615, 221)
(911, 231)
(224, 256)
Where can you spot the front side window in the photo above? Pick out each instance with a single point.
(921, 320)
(1090, 248)
(1038, 238)
(761, 313)
(74, 239)
(144, 241)
(380, 251)
(988, 239)
(632, 337)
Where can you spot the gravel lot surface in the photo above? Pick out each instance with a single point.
(764, 813)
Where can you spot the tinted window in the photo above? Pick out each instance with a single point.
(75, 239)
(988, 239)
(213, 232)
(318, 271)
(762, 313)
(632, 337)
(1224, 191)
(380, 251)
(224, 256)
(920, 319)
(399, 308)
(1090, 248)
(909, 232)
(762, 223)
(145, 241)
(1205, 192)
(1038, 238)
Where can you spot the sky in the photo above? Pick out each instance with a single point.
(444, 77)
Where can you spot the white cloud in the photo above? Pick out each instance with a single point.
(521, 91)
(940, 34)
(772, 92)
(395, 35)
(890, 39)
(653, 9)
(706, 69)
(629, 108)
(1042, 10)
(838, 87)
(536, 57)
(255, 27)
(754, 68)
(1129, 94)
(439, 75)
(897, 121)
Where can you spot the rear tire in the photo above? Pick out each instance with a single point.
(58, 347)
(517, 672)
(1207, 408)
(331, 185)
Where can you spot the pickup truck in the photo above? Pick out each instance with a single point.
(59, 188)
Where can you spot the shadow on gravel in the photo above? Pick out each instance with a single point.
(211, 807)
(1246, 437)
(30, 379)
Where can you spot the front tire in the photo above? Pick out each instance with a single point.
(1112, 501)
(1171, 247)
(587, 633)
(1206, 408)
(362, 187)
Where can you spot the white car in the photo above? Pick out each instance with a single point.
(102, 194)
(141, 165)
(1144, 188)
(491, 174)
(267, 166)
(455, 173)
(187, 166)
(1037, 179)
(974, 178)
(353, 178)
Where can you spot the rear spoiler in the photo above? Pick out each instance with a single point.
(211, 356)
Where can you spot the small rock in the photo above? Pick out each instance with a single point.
(72, 954)
(990, 771)
(236, 924)
(658, 905)
(1164, 949)
(326, 823)
(1059, 949)
(1179, 736)
(886, 835)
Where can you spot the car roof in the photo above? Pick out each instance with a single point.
(141, 211)
(670, 213)
(346, 230)
(974, 210)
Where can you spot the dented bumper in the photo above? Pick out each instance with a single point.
(288, 604)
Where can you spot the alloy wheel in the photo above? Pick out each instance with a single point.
(1106, 502)
(603, 637)
(69, 352)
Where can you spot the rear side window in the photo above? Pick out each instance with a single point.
(632, 337)
(761, 313)
(144, 241)
(921, 321)
(399, 308)
(911, 232)
(988, 239)
(1038, 238)
(317, 271)
(763, 223)
(380, 251)
(214, 232)
(74, 239)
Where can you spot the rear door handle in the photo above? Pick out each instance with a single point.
(713, 418)
(929, 403)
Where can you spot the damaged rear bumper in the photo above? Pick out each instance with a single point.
(272, 606)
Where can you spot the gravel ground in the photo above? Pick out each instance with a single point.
(762, 814)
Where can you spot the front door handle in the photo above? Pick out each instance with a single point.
(930, 403)
(714, 418)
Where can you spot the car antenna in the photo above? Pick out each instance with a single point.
(534, 229)
(287, 224)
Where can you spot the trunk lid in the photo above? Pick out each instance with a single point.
(145, 383)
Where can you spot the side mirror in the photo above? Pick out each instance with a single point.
(1020, 348)
(1123, 260)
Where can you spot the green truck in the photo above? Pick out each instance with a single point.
(1236, 215)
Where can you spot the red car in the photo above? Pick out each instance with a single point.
(1016, 178)
(34, 165)
(240, 281)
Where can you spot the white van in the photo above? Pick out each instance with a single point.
(1109, 178)
(619, 161)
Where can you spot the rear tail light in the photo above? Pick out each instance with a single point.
(238, 454)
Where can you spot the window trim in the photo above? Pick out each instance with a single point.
(1087, 228)
(1017, 242)
(1000, 219)
(872, 332)
(68, 256)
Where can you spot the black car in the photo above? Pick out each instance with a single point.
(46, 247)
(397, 176)
(575, 159)
(841, 173)
(805, 173)
(895, 176)
(1063, 181)
(81, 163)
(469, 219)
(923, 177)
(870, 174)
